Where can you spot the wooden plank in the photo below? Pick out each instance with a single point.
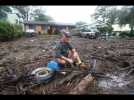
(69, 77)
(84, 83)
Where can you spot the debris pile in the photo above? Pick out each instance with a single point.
(114, 70)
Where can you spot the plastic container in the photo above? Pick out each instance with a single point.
(53, 65)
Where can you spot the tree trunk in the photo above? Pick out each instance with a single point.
(131, 31)
(27, 16)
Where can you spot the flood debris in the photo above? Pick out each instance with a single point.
(80, 88)
(114, 67)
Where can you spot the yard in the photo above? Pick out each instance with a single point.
(115, 58)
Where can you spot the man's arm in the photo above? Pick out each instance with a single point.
(67, 59)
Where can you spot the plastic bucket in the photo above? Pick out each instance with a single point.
(53, 65)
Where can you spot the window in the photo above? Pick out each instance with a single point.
(31, 26)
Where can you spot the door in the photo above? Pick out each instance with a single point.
(39, 29)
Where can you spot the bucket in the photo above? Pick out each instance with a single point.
(53, 65)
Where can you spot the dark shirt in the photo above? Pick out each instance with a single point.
(63, 49)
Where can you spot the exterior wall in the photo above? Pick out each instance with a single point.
(116, 27)
(45, 28)
(26, 27)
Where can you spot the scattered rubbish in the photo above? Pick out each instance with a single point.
(43, 50)
(113, 71)
(32, 40)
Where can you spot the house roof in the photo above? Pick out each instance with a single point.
(48, 23)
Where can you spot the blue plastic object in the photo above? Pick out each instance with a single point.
(53, 65)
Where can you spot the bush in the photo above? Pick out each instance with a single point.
(17, 31)
(9, 31)
(105, 29)
(126, 34)
(56, 33)
(113, 34)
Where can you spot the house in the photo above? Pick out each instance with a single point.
(46, 27)
(117, 28)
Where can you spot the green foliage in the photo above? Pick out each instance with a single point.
(126, 16)
(105, 15)
(39, 15)
(126, 34)
(113, 34)
(81, 25)
(17, 31)
(108, 15)
(56, 33)
(105, 29)
(9, 31)
(23, 12)
(29, 13)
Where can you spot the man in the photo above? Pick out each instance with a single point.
(65, 53)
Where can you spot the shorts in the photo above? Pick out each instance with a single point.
(60, 65)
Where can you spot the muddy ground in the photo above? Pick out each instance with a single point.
(114, 58)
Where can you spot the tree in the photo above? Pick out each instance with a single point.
(29, 13)
(105, 29)
(39, 15)
(81, 25)
(105, 16)
(23, 12)
(126, 16)
(4, 10)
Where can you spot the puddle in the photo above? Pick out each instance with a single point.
(114, 82)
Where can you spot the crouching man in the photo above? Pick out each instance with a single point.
(65, 53)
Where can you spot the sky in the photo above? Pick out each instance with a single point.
(70, 14)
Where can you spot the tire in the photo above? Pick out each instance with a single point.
(42, 74)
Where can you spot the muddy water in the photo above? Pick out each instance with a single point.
(115, 85)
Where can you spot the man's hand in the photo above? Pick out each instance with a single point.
(67, 59)
(62, 57)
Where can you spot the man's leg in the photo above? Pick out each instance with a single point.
(77, 60)
(74, 56)
(63, 62)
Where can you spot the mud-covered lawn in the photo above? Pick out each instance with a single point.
(114, 58)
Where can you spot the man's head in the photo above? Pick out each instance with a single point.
(66, 36)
